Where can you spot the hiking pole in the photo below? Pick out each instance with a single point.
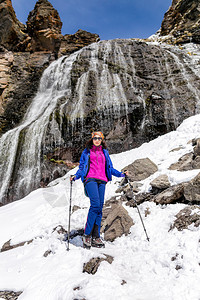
(70, 204)
(126, 176)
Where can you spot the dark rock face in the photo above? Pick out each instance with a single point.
(21, 79)
(182, 22)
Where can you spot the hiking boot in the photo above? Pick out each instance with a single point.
(97, 242)
(86, 241)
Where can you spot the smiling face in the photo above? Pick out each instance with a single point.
(97, 139)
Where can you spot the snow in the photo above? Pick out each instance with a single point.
(167, 267)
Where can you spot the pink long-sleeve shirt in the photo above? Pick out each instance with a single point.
(97, 164)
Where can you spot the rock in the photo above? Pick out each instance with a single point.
(59, 229)
(10, 295)
(73, 42)
(183, 164)
(7, 246)
(186, 162)
(47, 253)
(176, 149)
(141, 169)
(12, 32)
(92, 265)
(126, 188)
(75, 208)
(106, 89)
(171, 195)
(44, 27)
(23, 72)
(181, 22)
(192, 189)
(187, 216)
(160, 183)
(117, 223)
(140, 198)
(197, 147)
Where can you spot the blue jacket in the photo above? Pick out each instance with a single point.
(84, 165)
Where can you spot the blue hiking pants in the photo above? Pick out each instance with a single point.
(95, 190)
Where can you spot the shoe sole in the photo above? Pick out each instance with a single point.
(86, 246)
(98, 246)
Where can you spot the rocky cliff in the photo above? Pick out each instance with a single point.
(133, 90)
(25, 51)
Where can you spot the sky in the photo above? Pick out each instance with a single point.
(109, 18)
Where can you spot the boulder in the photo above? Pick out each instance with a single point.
(117, 223)
(92, 265)
(171, 195)
(196, 143)
(7, 246)
(187, 216)
(140, 198)
(44, 27)
(141, 169)
(186, 162)
(160, 183)
(192, 189)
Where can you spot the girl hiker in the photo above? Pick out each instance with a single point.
(95, 170)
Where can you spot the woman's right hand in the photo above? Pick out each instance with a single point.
(72, 177)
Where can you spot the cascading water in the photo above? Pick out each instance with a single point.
(103, 85)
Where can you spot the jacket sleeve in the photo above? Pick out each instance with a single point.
(114, 171)
(81, 166)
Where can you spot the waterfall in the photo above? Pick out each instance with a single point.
(104, 81)
(24, 171)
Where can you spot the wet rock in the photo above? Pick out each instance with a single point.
(192, 189)
(91, 267)
(7, 246)
(141, 169)
(160, 183)
(117, 223)
(171, 195)
(186, 217)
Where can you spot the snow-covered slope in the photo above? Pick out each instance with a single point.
(147, 268)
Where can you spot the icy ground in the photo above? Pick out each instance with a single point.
(146, 268)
